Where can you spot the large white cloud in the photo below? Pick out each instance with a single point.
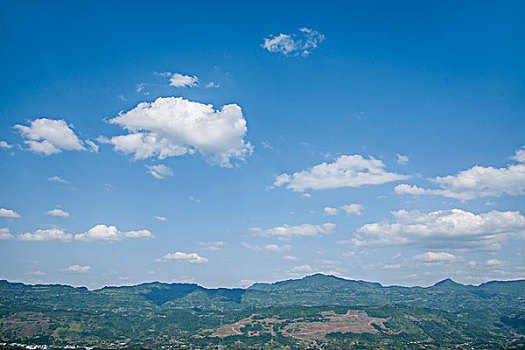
(476, 182)
(50, 136)
(288, 231)
(301, 43)
(110, 233)
(8, 213)
(174, 126)
(190, 258)
(454, 229)
(53, 234)
(346, 171)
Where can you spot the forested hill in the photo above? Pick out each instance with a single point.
(328, 311)
(314, 290)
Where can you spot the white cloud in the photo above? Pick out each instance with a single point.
(77, 269)
(8, 213)
(212, 245)
(267, 248)
(110, 233)
(301, 43)
(494, 262)
(49, 136)
(352, 209)
(173, 126)
(346, 171)
(53, 234)
(330, 211)
(349, 209)
(401, 159)
(93, 147)
(413, 190)
(160, 218)
(453, 229)
(291, 258)
(5, 235)
(520, 155)
(36, 273)
(434, 257)
(190, 258)
(302, 269)
(303, 230)
(5, 145)
(476, 182)
(181, 80)
(212, 85)
(58, 179)
(159, 171)
(58, 212)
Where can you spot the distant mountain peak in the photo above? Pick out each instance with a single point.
(447, 282)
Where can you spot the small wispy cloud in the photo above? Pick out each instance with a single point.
(295, 44)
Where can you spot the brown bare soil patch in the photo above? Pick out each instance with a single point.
(354, 321)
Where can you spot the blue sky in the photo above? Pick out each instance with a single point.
(230, 143)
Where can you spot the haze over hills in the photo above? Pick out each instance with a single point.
(151, 314)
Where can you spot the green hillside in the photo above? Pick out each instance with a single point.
(153, 315)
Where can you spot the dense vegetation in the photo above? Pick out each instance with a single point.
(151, 315)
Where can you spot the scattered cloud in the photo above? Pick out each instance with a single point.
(330, 211)
(453, 229)
(49, 136)
(212, 85)
(196, 200)
(5, 145)
(181, 80)
(77, 269)
(436, 257)
(267, 248)
(302, 269)
(190, 258)
(93, 147)
(58, 179)
(53, 234)
(401, 159)
(520, 155)
(8, 213)
(476, 182)
(302, 43)
(58, 212)
(288, 231)
(349, 209)
(5, 235)
(159, 171)
(266, 145)
(346, 171)
(291, 258)
(494, 262)
(110, 233)
(160, 218)
(36, 273)
(212, 245)
(174, 126)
